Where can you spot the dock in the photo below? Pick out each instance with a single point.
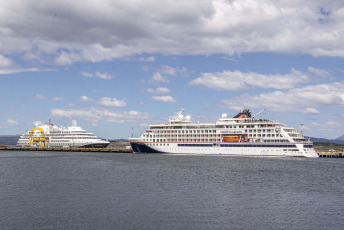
(331, 154)
(109, 150)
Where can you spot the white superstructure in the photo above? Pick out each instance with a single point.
(49, 135)
(242, 135)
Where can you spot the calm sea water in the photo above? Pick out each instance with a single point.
(58, 190)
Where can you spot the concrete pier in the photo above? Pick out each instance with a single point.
(331, 154)
(109, 150)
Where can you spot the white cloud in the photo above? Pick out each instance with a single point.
(145, 125)
(326, 125)
(158, 90)
(105, 30)
(12, 122)
(5, 62)
(318, 72)
(104, 76)
(300, 99)
(65, 58)
(41, 97)
(164, 99)
(97, 114)
(57, 98)
(106, 101)
(237, 80)
(85, 99)
(158, 78)
(146, 59)
(311, 111)
(21, 70)
(230, 58)
(37, 123)
(165, 69)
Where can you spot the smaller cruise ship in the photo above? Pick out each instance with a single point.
(49, 135)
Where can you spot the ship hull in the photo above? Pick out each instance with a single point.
(66, 145)
(247, 149)
(94, 145)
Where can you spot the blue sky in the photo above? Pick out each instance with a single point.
(113, 65)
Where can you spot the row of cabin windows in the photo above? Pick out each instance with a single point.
(158, 144)
(205, 137)
(219, 126)
(212, 131)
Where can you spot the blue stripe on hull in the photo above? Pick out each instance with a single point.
(143, 148)
(95, 145)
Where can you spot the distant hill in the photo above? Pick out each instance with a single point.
(13, 139)
(117, 140)
(9, 139)
(323, 140)
(341, 138)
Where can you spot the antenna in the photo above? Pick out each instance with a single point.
(181, 112)
(258, 113)
(302, 128)
(132, 132)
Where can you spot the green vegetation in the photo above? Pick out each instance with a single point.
(326, 146)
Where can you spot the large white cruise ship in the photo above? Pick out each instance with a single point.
(242, 135)
(49, 135)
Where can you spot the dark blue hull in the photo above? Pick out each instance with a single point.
(143, 148)
(95, 145)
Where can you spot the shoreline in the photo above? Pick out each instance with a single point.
(322, 153)
(111, 150)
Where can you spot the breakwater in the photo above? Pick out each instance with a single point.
(110, 150)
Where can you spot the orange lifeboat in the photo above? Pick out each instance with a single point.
(233, 138)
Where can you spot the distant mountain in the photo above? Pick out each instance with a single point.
(118, 140)
(336, 141)
(341, 138)
(9, 139)
(13, 139)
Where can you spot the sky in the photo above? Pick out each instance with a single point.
(120, 65)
